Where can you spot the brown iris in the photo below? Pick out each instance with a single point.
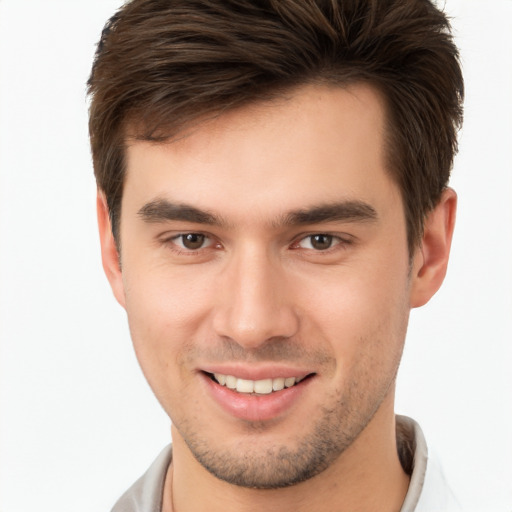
(193, 241)
(321, 242)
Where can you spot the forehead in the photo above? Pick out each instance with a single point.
(317, 145)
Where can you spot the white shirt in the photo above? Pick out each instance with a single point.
(428, 490)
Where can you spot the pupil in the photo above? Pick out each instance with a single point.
(193, 240)
(321, 242)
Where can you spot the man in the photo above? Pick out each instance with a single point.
(272, 202)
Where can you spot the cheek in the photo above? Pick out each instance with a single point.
(165, 315)
(367, 335)
(360, 313)
(161, 301)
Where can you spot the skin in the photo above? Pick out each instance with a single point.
(258, 296)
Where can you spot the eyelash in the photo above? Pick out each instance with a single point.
(172, 241)
(336, 243)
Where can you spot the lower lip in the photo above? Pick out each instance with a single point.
(255, 408)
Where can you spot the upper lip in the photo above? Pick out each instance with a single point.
(256, 372)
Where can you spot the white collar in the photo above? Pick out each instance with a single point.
(428, 490)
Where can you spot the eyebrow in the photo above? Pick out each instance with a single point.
(345, 211)
(162, 210)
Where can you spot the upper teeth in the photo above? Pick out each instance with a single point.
(264, 386)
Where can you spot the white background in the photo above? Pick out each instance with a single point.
(78, 422)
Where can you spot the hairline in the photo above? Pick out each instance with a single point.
(132, 130)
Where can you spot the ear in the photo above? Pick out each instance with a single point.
(109, 252)
(431, 258)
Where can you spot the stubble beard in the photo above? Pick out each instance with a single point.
(346, 411)
(274, 467)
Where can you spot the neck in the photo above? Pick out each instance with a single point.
(366, 477)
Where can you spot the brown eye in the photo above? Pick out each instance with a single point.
(192, 241)
(320, 242)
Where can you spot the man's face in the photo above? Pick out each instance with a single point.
(266, 245)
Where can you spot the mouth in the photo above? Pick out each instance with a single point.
(271, 394)
(256, 387)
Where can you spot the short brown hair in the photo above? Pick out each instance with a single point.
(161, 64)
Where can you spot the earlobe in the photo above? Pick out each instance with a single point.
(431, 259)
(109, 252)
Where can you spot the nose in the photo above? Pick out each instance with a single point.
(255, 304)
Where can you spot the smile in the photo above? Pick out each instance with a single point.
(267, 396)
(260, 387)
